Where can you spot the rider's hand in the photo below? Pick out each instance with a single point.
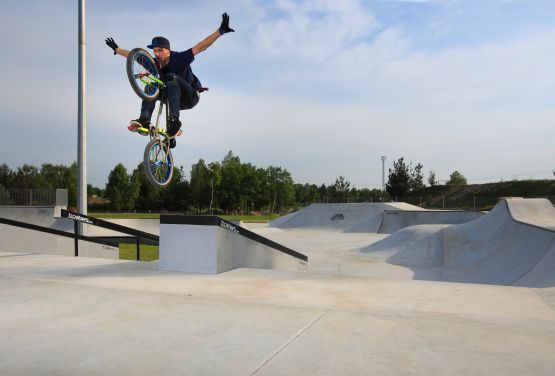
(224, 27)
(110, 42)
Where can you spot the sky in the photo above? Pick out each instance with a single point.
(322, 88)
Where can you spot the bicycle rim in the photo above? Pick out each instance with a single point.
(143, 67)
(158, 163)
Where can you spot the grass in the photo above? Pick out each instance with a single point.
(245, 218)
(125, 215)
(147, 252)
(249, 218)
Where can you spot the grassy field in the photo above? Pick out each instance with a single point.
(245, 218)
(125, 215)
(146, 252)
(151, 252)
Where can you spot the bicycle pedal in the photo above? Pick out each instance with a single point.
(138, 129)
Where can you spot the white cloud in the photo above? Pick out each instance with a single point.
(313, 31)
(322, 88)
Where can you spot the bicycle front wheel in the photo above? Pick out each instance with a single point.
(158, 163)
(143, 74)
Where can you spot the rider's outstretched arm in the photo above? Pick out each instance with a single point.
(122, 52)
(117, 51)
(207, 42)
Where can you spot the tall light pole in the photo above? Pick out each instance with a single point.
(383, 173)
(82, 121)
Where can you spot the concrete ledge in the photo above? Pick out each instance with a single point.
(212, 245)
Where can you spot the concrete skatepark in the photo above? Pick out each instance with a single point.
(446, 293)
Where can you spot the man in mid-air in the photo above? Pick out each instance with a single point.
(183, 87)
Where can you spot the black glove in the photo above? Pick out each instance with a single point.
(224, 27)
(110, 42)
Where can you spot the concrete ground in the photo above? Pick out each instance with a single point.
(346, 316)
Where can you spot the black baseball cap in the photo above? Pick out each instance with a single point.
(159, 42)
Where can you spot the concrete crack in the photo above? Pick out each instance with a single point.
(297, 335)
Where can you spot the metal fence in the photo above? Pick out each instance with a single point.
(33, 197)
(466, 202)
(438, 201)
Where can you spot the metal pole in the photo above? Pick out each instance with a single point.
(82, 121)
(383, 173)
(76, 237)
(138, 249)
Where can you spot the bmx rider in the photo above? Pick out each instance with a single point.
(183, 87)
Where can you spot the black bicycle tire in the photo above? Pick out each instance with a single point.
(129, 69)
(146, 164)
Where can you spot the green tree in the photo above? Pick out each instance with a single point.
(117, 188)
(149, 197)
(341, 188)
(281, 189)
(169, 198)
(28, 176)
(94, 191)
(432, 181)
(306, 194)
(456, 178)
(323, 192)
(200, 185)
(399, 179)
(6, 176)
(251, 186)
(180, 192)
(416, 178)
(55, 176)
(72, 172)
(215, 174)
(134, 189)
(230, 197)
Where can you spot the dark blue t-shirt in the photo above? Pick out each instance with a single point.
(180, 64)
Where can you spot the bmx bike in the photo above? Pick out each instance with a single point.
(144, 75)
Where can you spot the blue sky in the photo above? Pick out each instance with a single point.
(322, 88)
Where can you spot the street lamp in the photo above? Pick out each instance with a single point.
(383, 173)
(82, 121)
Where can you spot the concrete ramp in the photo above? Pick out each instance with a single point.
(23, 237)
(44, 216)
(512, 245)
(197, 244)
(364, 217)
(395, 220)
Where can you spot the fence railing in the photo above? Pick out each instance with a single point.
(467, 202)
(33, 197)
(447, 202)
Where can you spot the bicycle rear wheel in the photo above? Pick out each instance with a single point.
(142, 72)
(158, 163)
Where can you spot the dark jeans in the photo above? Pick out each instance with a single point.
(181, 96)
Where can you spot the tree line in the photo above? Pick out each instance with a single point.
(403, 178)
(229, 186)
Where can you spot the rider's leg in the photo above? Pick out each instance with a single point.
(189, 96)
(181, 96)
(144, 119)
(147, 107)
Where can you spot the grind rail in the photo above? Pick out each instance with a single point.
(77, 217)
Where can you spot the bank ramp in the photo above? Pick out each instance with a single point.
(395, 220)
(512, 245)
(356, 217)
